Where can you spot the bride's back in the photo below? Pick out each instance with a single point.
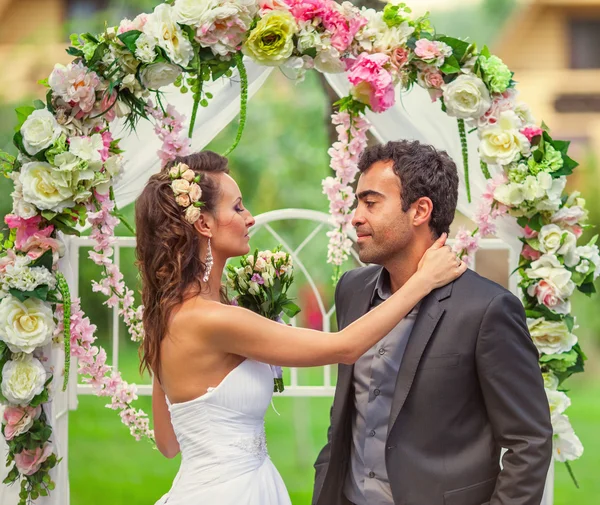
(189, 365)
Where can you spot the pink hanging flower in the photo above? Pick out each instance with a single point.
(530, 253)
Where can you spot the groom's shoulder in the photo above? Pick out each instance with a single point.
(472, 286)
(359, 275)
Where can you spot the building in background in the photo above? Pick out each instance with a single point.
(553, 46)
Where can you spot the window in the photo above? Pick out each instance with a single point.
(585, 41)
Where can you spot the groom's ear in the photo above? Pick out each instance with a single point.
(204, 225)
(422, 208)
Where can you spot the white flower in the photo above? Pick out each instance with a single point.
(550, 237)
(551, 337)
(157, 75)
(550, 380)
(566, 444)
(261, 264)
(590, 254)
(22, 380)
(559, 402)
(25, 325)
(68, 162)
(191, 12)
(39, 131)
(192, 214)
(553, 190)
(466, 97)
(570, 215)
(328, 61)
(162, 26)
(46, 188)
(308, 38)
(569, 249)
(180, 187)
(114, 165)
(87, 148)
(510, 194)
(503, 142)
(145, 49)
(254, 288)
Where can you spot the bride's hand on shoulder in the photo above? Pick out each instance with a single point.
(440, 265)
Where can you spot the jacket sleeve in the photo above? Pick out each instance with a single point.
(513, 391)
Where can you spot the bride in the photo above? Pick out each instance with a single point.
(212, 385)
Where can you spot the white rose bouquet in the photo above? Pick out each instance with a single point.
(262, 281)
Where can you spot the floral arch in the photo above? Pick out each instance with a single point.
(70, 164)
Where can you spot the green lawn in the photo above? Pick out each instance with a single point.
(108, 466)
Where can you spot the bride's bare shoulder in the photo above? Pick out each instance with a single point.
(198, 312)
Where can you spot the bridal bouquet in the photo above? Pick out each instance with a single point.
(262, 281)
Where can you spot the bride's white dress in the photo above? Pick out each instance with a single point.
(224, 459)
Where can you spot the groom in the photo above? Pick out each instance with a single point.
(421, 418)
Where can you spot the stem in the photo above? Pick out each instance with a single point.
(570, 470)
(197, 97)
(63, 288)
(117, 213)
(485, 170)
(465, 152)
(243, 101)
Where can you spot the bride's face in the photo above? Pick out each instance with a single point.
(232, 221)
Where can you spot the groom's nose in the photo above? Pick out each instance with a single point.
(358, 219)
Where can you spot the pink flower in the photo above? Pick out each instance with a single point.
(138, 23)
(530, 253)
(29, 462)
(548, 294)
(107, 106)
(399, 57)
(501, 103)
(76, 85)
(532, 131)
(18, 420)
(305, 10)
(529, 233)
(106, 141)
(342, 28)
(373, 84)
(431, 78)
(37, 244)
(432, 51)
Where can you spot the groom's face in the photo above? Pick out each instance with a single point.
(382, 227)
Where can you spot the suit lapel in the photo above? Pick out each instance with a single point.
(358, 306)
(429, 316)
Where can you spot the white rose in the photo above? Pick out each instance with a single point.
(162, 26)
(23, 209)
(190, 12)
(87, 148)
(39, 131)
(566, 444)
(145, 49)
(558, 401)
(159, 74)
(22, 380)
(550, 237)
(180, 187)
(46, 188)
(192, 214)
(551, 337)
(548, 267)
(25, 325)
(466, 97)
(502, 142)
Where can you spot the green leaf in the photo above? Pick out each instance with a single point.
(18, 142)
(459, 47)
(98, 54)
(41, 292)
(485, 52)
(129, 39)
(45, 260)
(23, 113)
(450, 66)
(588, 289)
(290, 309)
(73, 51)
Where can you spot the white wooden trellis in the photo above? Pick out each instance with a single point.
(322, 224)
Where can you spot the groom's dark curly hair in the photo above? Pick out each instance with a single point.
(423, 171)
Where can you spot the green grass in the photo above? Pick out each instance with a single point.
(108, 466)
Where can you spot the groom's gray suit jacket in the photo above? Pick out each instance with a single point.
(469, 384)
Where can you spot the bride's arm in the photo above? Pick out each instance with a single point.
(240, 331)
(166, 441)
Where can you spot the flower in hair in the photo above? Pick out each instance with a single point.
(186, 188)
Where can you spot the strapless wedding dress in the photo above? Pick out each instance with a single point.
(224, 459)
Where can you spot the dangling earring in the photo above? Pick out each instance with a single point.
(208, 263)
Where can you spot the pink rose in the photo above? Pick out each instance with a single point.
(399, 57)
(532, 131)
(29, 462)
(530, 253)
(18, 420)
(432, 52)
(529, 233)
(547, 294)
(304, 10)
